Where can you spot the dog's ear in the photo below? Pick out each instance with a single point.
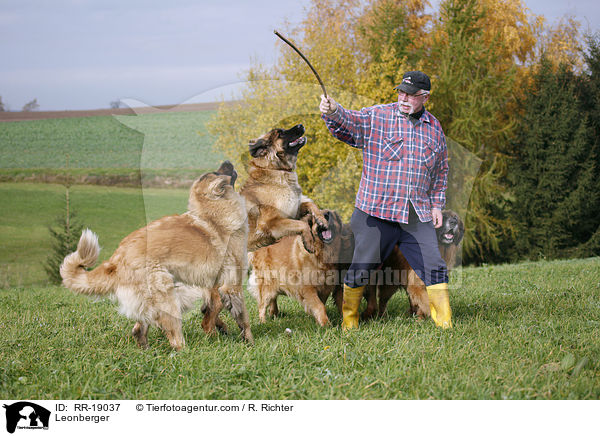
(460, 231)
(216, 188)
(257, 147)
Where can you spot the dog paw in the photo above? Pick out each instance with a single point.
(247, 334)
(322, 223)
(140, 334)
(309, 243)
(221, 326)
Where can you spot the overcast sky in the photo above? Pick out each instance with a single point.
(83, 54)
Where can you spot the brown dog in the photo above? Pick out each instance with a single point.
(273, 196)
(449, 236)
(286, 268)
(159, 271)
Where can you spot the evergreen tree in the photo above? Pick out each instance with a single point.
(65, 235)
(553, 170)
(590, 104)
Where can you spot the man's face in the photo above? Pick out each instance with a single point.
(412, 103)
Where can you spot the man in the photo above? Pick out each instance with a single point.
(401, 193)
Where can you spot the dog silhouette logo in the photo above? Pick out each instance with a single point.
(26, 415)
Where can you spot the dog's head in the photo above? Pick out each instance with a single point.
(214, 186)
(452, 229)
(332, 242)
(279, 148)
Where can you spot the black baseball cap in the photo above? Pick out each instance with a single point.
(414, 81)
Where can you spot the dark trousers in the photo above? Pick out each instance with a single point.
(376, 238)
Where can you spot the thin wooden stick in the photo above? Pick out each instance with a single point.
(305, 60)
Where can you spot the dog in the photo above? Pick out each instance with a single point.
(449, 236)
(159, 271)
(273, 195)
(287, 268)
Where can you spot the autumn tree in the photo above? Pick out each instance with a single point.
(560, 43)
(391, 36)
(288, 94)
(473, 88)
(479, 54)
(343, 42)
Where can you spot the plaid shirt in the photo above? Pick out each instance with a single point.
(401, 161)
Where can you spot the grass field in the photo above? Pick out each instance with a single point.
(119, 145)
(91, 142)
(526, 331)
(166, 149)
(111, 212)
(521, 331)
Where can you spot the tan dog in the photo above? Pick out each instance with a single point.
(159, 271)
(273, 196)
(449, 236)
(287, 268)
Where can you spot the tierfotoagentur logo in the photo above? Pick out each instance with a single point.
(26, 416)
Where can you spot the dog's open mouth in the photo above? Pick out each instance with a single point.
(298, 142)
(448, 238)
(326, 235)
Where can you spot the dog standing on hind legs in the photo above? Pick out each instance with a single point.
(160, 271)
(273, 195)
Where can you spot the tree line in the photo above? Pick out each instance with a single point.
(518, 97)
(27, 107)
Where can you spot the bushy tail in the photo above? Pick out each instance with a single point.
(252, 286)
(73, 272)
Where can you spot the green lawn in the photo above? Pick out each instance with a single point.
(526, 331)
(113, 213)
(120, 145)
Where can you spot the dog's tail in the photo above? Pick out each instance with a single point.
(73, 269)
(252, 285)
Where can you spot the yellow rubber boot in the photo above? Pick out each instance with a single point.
(439, 304)
(352, 297)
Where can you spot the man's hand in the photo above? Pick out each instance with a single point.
(327, 106)
(437, 218)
